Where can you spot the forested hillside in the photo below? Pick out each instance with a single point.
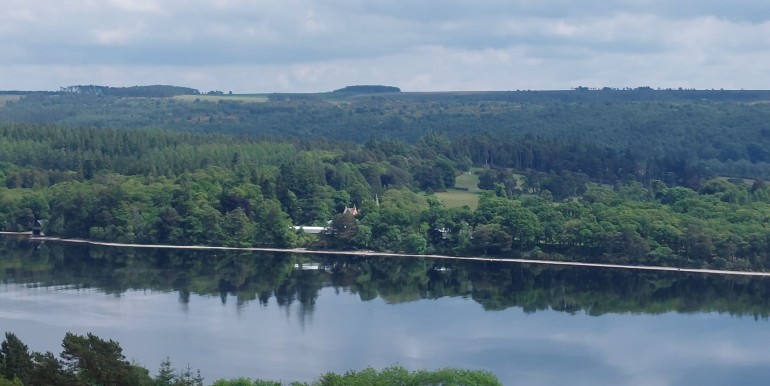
(671, 177)
(721, 132)
(543, 198)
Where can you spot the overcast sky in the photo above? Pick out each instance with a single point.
(308, 46)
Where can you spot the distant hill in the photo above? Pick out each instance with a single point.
(367, 89)
(726, 131)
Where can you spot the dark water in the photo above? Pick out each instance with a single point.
(269, 316)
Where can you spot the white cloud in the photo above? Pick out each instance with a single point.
(303, 45)
(135, 6)
(119, 35)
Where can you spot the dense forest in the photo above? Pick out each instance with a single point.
(722, 132)
(669, 177)
(91, 360)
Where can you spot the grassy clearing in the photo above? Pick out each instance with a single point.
(9, 98)
(216, 98)
(466, 194)
(469, 181)
(458, 198)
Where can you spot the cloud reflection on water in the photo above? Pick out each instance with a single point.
(542, 348)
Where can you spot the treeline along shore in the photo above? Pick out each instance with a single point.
(392, 255)
(672, 182)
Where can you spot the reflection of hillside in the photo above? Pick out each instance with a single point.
(265, 276)
(600, 291)
(399, 280)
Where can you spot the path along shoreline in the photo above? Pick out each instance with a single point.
(387, 254)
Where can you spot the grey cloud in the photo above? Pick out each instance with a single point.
(199, 33)
(738, 10)
(425, 44)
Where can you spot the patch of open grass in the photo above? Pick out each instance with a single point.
(466, 191)
(458, 198)
(216, 98)
(468, 181)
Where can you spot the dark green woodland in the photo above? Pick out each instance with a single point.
(639, 176)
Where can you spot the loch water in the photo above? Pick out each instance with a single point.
(290, 317)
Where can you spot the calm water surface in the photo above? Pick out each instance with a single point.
(259, 315)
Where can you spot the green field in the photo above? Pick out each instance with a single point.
(469, 181)
(216, 98)
(466, 190)
(458, 198)
(467, 194)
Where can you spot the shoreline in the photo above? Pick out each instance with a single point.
(388, 254)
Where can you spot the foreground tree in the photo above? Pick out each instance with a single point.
(15, 359)
(94, 361)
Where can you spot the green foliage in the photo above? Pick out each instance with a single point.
(341, 231)
(169, 376)
(12, 382)
(90, 360)
(491, 238)
(15, 359)
(247, 382)
(584, 184)
(47, 370)
(396, 375)
(85, 360)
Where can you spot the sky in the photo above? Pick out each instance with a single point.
(256, 46)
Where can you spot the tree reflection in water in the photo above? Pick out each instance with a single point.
(290, 278)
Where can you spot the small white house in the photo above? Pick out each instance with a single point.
(309, 229)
